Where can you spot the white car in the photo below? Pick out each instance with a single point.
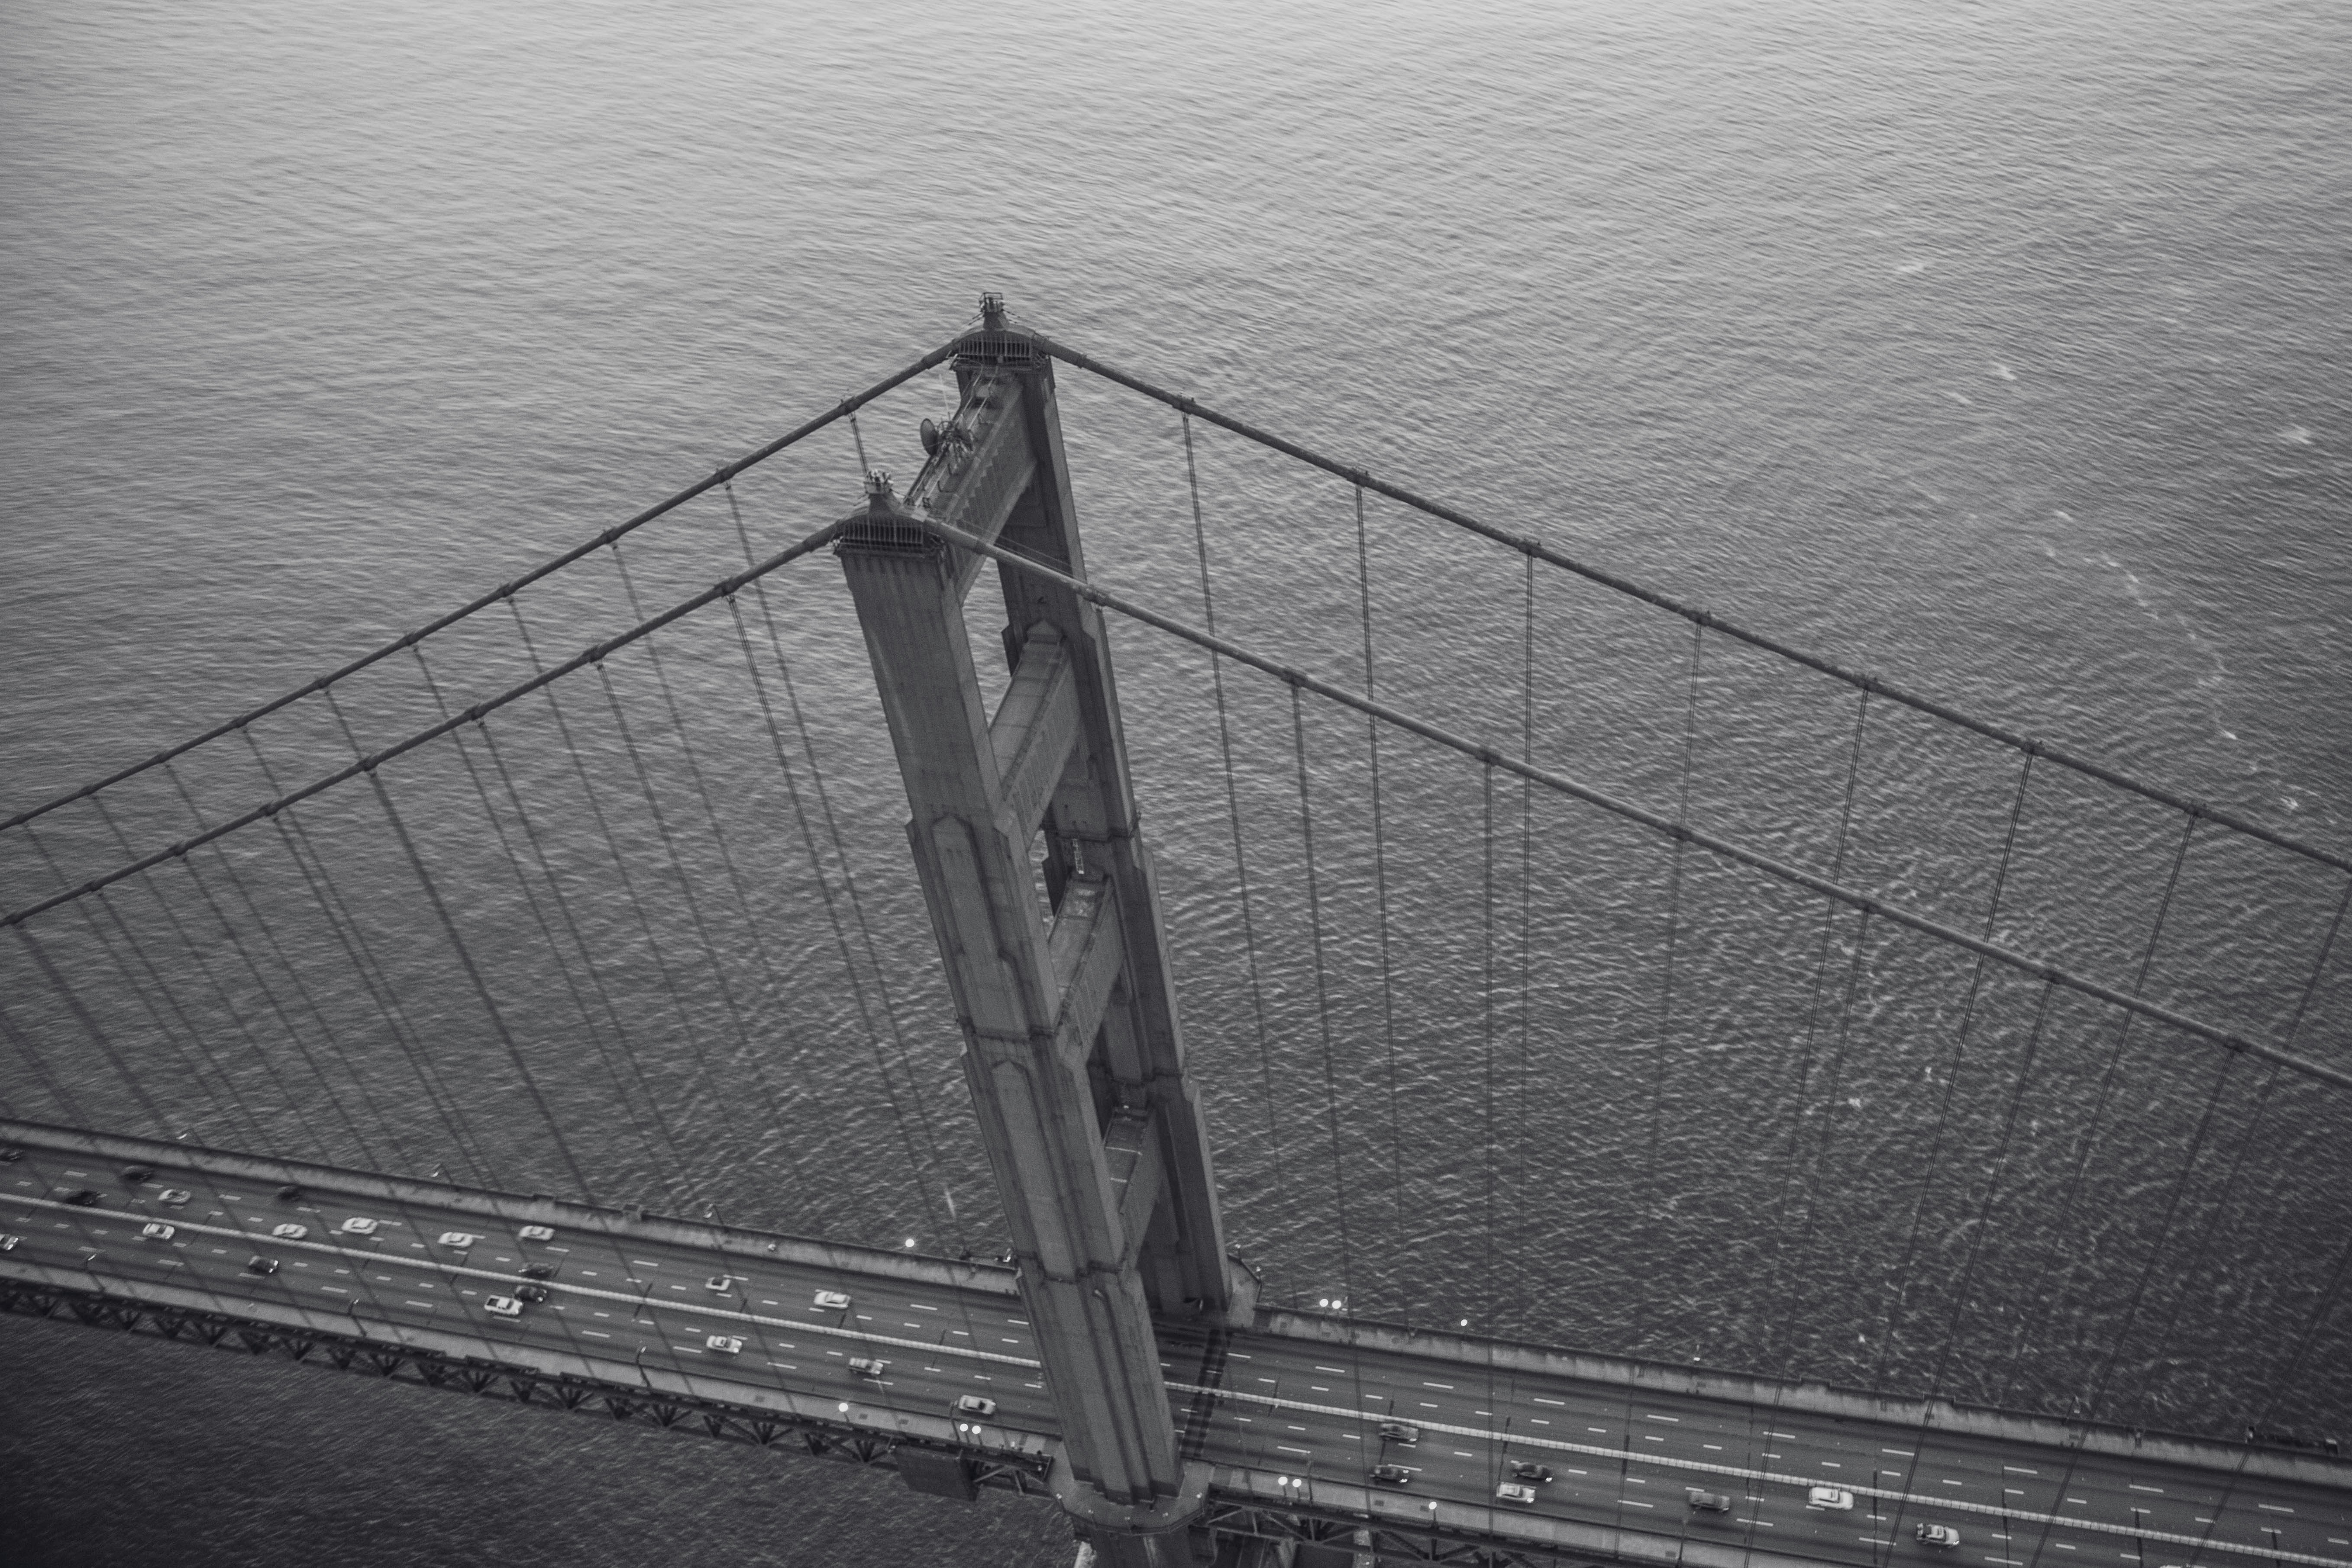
(503, 1306)
(156, 1230)
(1937, 1535)
(974, 1405)
(1512, 1491)
(458, 1238)
(1834, 1498)
(725, 1344)
(8, 1242)
(290, 1232)
(175, 1197)
(719, 1284)
(864, 1367)
(832, 1301)
(537, 1232)
(355, 1225)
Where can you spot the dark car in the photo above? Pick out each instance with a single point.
(1711, 1502)
(1521, 1471)
(539, 1272)
(1391, 1476)
(1398, 1432)
(534, 1294)
(84, 1198)
(290, 1193)
(10, 1156)
(262, 1266)
(134, 1175)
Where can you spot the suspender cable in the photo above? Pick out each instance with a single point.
(826, 814)
(1234, 814)
(1724, 848)
(171, 912)
(98, 1036)
(679, 1179)
(710, 815)
(482, 987)
(1849, 1004)
(2094, 1403)
(1520, 1094)
(1982, 1227)
(311, 1004)
(1323, 1000)
(1935, 1161)
(832, 915)
(724, 1104)
(1380, 878)
(508, 589)
(54, 1087)
(147, 994)
(655, 1156)
(2159, 1365)
(2031, 1327)
(1529, 545)
(1489, 1309)
(723, 587)
(445, 1101)
(1654, 1221)
(693, 904)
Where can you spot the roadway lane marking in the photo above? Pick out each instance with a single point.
(1647, 1416)
(1287, 1449)
(2273, 1508)
(1539, 1399)
(624, 1297)
(1337, 1370)
(2020, 1470)
(2135, 1486)
(1629, 1455)
(1900, 1453)
(919, 1307)
(1447, 1386)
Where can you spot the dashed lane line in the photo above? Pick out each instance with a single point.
(1630, 1456)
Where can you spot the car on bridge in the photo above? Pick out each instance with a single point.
(10, 1156)
(534, 1294)
(83, 1197)
(1513, 1491)
(537, 1232)
(289, 1193)
(725, 1344)
(290, 1232)
(460, 1239)
(156, 1230)
(719, 1284)
(974, 1405)
(8, 1242)
(1834, 1498)
(1707, 1501)
(539, 1272)
(133, 1176)
(1527, 1470)
(1942, 1535)
(503, 1306)
(1398, 1432)
(865, 1367)
(359, 1226)
(832, 1301)
(175, 1197)
(1389, 1475)
(261, 1266)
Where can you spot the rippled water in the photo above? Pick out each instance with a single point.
(1998, 350)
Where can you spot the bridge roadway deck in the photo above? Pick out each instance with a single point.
(1293, 1415)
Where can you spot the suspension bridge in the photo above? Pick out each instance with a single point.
(1946, 1131)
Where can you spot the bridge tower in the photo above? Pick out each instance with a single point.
(1044, 904)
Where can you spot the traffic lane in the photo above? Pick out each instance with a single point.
(2103, 1486)
(394, 1274)
(1874, 1525)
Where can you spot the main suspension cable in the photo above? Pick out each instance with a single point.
(1535, 547)
(370, 762)
(506, 590)
(1562, 785)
